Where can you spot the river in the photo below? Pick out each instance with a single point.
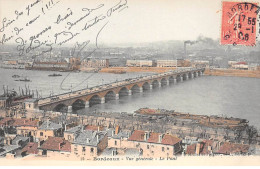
(207, 95)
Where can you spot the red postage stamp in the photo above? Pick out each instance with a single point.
(239, 23)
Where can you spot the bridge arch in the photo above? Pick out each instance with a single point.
(194, 74)
(78, 104)
(190, 75)
(61, 108)
(146, 86)
(178, 78)
(155, 84)
(95, 99)
(164, 82)
(110, 95)
(123, 92)
(171, 80)
(184, 76)
(135, 89)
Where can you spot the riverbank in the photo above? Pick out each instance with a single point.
(233, 72)
(136, 69)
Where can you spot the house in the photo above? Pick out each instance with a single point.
(233, 149)
(88, 144)
(27, 127)
(30, 148)
(12, 146)
(47, 129)
(72, 132)
(205, 147)
(127, 152)
(210, 147)
(117, 138)
(152, 144)
(19, 126)
(55, 146)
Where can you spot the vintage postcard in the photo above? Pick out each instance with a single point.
(129, 82)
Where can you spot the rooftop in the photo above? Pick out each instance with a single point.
(89, 138)
(48, 125)
(31, 148)
(56, 144)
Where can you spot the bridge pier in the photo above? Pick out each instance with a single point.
(103, 100)
(86, 104)
(181, 79)
(69, 109)
(187, 77)
(117, 96)
(129, 92)
(159, 84)
(151, 87)
(192, 76)
(141, 90)
(174, 81)
(168, 82)
(196, 74)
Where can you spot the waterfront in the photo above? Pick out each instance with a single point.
(209, 95)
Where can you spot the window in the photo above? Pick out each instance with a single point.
(83, 149)
(92, 150)
(69, 137)
(41, 133)
(115, 143)
(167, 148)
(148, 146)
(162, 148)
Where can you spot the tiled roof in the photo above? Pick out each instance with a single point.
(89, 138)
(167, 139)
(17, 139)
(191, 149)
(170, 140)
(48, 125)
(73, 129)
(9, 148)
(94, 128)
(56, 144)
(19, 122)
(154, 138)
(230, 148)
(25, 122)
(138, 135)
(31, 148)
(6, 121)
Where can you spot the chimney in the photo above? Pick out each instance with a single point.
(145, 136)
(39, 144)
(98, 128)
(160, 138)
(88, 140)
(59, 145)
(65, 127)
(113, 132)
(197, 149)
(97, 138)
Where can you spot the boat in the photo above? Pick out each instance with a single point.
(24, 80)
(54, 74)
(15, 76)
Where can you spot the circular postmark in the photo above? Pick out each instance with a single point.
(239, 23)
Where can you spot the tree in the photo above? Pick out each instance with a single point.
(252, 133)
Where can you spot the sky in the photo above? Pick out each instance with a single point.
(141, 21)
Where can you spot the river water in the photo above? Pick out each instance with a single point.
(207, 95)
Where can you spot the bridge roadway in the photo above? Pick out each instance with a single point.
(112, 91)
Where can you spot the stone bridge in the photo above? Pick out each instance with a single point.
(101, 94)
